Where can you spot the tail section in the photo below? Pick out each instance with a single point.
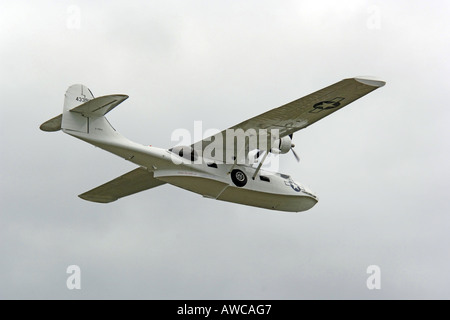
(76, 95)
(84, 118)
(83, 115)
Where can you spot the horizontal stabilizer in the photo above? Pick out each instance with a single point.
(132, 182)
(54, 124)
(100, 106)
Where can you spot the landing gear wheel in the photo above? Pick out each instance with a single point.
(239, 178)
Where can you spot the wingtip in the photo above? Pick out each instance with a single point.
(371, 81)
(98, 199)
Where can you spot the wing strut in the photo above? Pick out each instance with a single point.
(260, 165)
(236, 158)
(234, 165)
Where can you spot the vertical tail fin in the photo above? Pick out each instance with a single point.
(76, 95)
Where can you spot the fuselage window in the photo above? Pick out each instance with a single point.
(264, 178)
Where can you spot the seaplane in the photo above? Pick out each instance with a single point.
(227, 166)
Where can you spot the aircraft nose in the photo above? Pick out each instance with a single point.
(309, 193)
(312, 196)
(306, 203)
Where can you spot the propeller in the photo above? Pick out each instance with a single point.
(292, 149)
(295, 155)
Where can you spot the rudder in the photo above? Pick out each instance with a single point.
(75, 96)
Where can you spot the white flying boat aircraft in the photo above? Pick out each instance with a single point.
(215, 167)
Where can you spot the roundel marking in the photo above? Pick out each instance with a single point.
(326, 105)
(295, 186)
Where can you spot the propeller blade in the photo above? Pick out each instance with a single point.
(292, 148)
(295, 155)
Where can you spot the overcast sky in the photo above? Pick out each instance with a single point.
(380, 166)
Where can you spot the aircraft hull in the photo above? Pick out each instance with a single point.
(274, 195)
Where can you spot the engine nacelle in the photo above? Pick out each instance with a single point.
(282, 145)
